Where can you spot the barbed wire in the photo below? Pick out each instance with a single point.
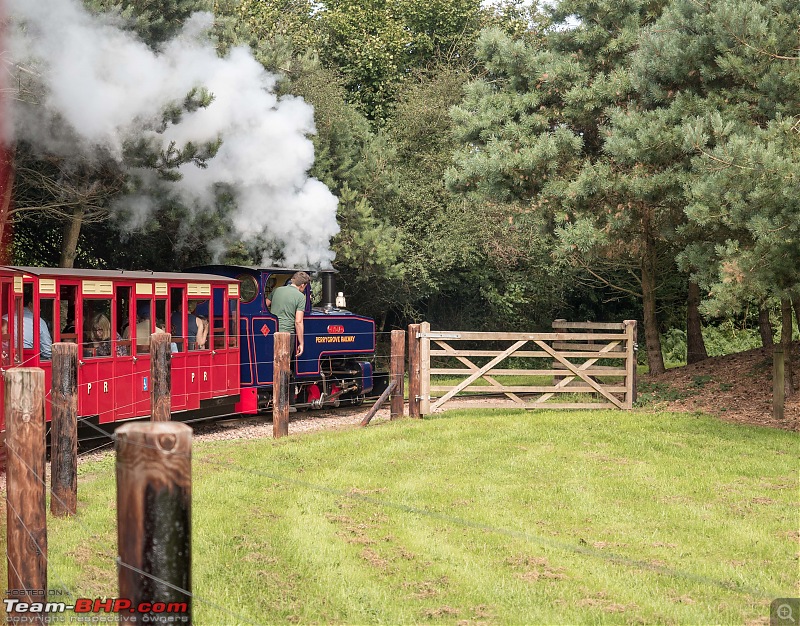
(93, 537)
(36, 544)
(466, 523)
(250, 472)
(24, 589)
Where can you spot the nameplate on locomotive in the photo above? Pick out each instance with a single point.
(337, 339)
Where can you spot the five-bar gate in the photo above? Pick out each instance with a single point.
(580, 365)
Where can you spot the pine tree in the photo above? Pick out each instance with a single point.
(730, 72)
(535, 134)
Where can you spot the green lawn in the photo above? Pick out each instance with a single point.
(493, 517)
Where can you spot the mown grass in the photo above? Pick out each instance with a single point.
(496, 517)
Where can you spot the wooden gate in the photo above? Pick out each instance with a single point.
(583, 365)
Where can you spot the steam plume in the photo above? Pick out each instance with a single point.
(103, 86)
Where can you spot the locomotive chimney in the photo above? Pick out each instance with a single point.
(328, 278)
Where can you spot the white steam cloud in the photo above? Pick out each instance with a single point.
(105, 86)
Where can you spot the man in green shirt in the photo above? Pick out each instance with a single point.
(288, 304)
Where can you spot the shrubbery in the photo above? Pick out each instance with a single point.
(725, 338)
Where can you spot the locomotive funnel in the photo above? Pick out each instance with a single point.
(328, 278)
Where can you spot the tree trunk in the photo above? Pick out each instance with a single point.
(695, 346)
(69, 243)
(796, 305)
(765, 328)
(786, 342)
(655, 359)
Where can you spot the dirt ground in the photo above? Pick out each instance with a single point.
(735, 388)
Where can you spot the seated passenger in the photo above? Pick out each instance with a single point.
(98, 335)
(5, 341)
(45, 340)
(196, 329)
(201, 322)
(161, 327)
(142, 330)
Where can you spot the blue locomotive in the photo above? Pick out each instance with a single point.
(339, 346)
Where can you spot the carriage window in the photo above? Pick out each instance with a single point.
(176, 323)
(96, 338)
(18, 329)
(140, 333)
(123, 321)
(197, 329)
(161, 321)
(47, 311)
(233, 323)
(218, 318)
(161, 315)
(66, 313)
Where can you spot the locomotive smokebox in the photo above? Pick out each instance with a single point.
(328, 278)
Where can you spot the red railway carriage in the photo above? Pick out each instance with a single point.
(111, 314)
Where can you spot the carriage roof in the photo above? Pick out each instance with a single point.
(66, 272)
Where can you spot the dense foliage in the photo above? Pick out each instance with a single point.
(501, 166)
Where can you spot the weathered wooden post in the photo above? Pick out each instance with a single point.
(397, 373)
(154, 501)
(371, 413)
(281, 373)
(414, 371)
(630, 363)
(160, 377)
(26, 503)
(64, 431)
(425, 369)
(778, 375)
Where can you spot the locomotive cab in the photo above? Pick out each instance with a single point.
(339, 346)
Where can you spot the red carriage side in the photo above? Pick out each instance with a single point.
(111, 314)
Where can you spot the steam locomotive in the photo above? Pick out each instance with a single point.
(111, 314)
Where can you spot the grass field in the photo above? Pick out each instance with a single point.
(493, 517)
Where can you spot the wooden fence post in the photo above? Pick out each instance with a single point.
(26, 502)
(778, 376)
(160, 377)
(154, 500)
(630, 363)
(414, 371)
(425, 370)
(280, 384)
(397, 368)
(635, 361)
(64, 429)
(371, 413)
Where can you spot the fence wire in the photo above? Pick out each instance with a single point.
(250, 473)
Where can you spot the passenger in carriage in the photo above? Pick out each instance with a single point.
(45, 340)
(201, 317)
(197, 327)
(161, 327)
(99, 336)
(141, 332)
(6, 344)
